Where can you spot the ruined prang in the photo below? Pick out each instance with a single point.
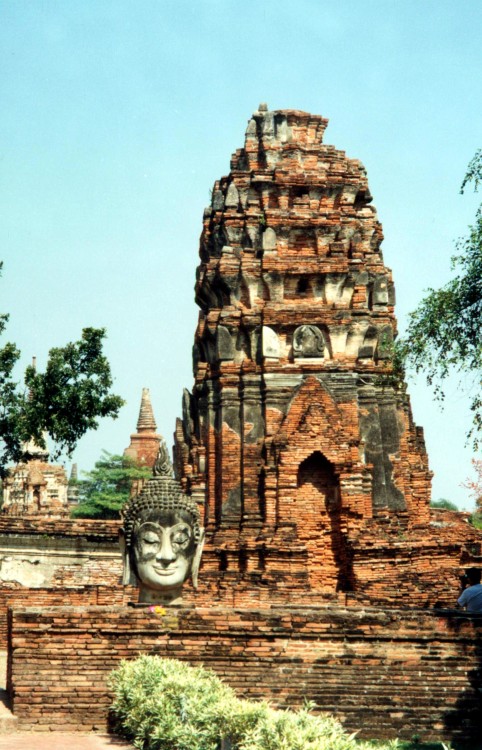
(301, 454)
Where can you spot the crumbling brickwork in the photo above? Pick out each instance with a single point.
(35, 487)
(305, 461)
(46, 562)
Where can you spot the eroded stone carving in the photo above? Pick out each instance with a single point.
(161, 537)
(308, 342)
(269, 239)
(232, 196)
(271, 346)
(224, 344)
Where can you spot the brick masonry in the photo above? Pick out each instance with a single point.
(388, 673)
(47, 562)
(310, 473)
(50, 562)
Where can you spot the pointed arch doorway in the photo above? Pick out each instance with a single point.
(318, 519)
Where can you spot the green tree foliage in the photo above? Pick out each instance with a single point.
(443, 504)
(65, 401)
(106, 488)
(444, 332)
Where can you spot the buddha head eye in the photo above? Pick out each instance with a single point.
(150, 538)
(181, 535)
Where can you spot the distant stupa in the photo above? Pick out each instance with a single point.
(144, 445)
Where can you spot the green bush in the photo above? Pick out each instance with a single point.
(300, 730)
(164, 704)
(476, 520)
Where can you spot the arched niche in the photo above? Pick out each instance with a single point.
(318, 519)
(309, 342)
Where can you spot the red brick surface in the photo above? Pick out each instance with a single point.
(42, 526)
(387, 673)
(93, 578)
(386, 563)
(310, 471)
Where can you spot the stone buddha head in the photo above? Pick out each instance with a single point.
(161, 537)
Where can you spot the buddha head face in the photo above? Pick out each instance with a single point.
(161, 539)
(164, 548)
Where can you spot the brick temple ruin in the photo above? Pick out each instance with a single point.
(325, 574)
(312, 475)
(35, 486)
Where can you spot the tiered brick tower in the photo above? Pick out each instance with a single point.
(292, 440)
(144, 444)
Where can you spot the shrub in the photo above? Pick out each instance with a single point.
(301, 730)
(164, 704)
(476, 520)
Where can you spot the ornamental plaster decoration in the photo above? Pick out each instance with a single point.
(308, 341)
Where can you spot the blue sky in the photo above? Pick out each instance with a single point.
(118, 116)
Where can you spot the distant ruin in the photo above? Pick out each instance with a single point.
(35, 486)
(144, 443)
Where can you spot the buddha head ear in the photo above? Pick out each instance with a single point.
(196, 561)
(128, 576)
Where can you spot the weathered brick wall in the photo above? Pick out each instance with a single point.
(80, 596)
(50, 562)
(55, 561)
(82, 527)
(385, 672)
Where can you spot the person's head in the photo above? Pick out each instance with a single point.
(161, 538)
(473, 576)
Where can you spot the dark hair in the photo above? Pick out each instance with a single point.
(473, 575)
(161, 494)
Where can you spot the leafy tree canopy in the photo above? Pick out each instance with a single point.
(444, 332)
(444, 504)
(65, 401)
(106, 488)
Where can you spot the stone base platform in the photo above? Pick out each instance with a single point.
(387, 673)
